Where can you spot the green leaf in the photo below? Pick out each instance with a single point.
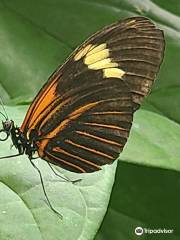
(29, 54)
(142, 197)
(37, 36)
(154, 141)
(23, 208)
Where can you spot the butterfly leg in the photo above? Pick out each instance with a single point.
(10, 156)
(64, 178)
(44, 190)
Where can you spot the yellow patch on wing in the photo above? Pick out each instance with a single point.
(131, 22)
(97, 57)
(95, 49)
(105, 63)
(82, 52)
(93, 58)
(113, 72)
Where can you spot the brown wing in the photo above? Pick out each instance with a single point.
(91, 129)
(135, 45)
(82, 117)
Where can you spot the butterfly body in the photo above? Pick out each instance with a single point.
(81, 118)
(19, 140)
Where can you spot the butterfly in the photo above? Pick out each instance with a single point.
(81, 118)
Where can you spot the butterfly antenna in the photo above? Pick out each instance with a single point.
(4, 115)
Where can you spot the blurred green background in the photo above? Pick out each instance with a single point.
(36, 37)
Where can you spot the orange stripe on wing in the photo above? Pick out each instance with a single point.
(67, 163)
(48, 98)
(40, 102)
(76, 113)
(106, 126)
(110, 113)
(42, 144)
(58, 149)
(42, 114)
(89, 149)
(57, 108)
(70, 117)
(99, 138)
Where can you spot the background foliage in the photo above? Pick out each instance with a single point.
(37, 36)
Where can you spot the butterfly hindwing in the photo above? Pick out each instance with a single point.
(92, 130)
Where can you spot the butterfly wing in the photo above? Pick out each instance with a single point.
(135, 45)
(82, 116)
(90, 129)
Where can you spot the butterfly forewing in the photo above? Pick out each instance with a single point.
(81, 118)
(137, 47)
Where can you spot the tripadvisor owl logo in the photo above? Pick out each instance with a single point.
(139, 231)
